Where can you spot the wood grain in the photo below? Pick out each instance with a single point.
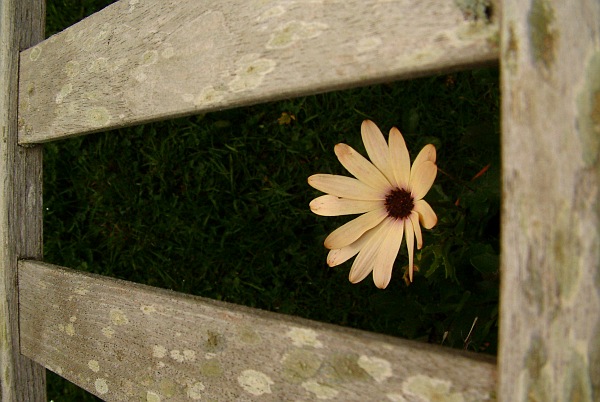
(124, 341)
(138, 61)
(21, 25)
(550, 296)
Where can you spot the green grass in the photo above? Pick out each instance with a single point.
(217, 205)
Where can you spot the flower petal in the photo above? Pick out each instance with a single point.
(421, 179)
(330, 205)
(363, 264)
(351, 231)
(342, 186)
(428, 153)
(410, 245)
(386, 256)
(341, 255)
(414, 218)
(400, 160)
(426, 215)
(361, 168)
(377, 148)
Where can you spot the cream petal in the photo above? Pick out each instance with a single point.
(422, 178)
(414, 218)
(342, 186)
(351, 231)
(427, 217)
(330, 205)
(341, 255)
(400, 160)
(363, 264)
(428, 153)
(386, 256)
(361, 168)
(377, 148)
(410, 245)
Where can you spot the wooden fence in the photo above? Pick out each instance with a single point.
(143, 60)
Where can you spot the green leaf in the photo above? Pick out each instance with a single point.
(486, 263)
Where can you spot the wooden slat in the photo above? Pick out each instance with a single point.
(550, 312)
(138, 61)
(21, 25)
(124, 341)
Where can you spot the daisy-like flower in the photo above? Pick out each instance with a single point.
(389, 195)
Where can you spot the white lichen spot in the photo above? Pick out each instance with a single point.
(117, 317)
(209, 356)
(148, 309)
(208, 95)
(108, 332)
(304, 337)
(177, 356)
(159, 351)
(72, 68)
(81, 291)
(321, 391)
(249, 336)
(99, 65)
(63, 93)
(255, 382)
(168, 52)
(98, 116)
(139, 75)
(251, 72)
(194, 391)
(369, 43)
(286, 35)
(152, 396)
(101, 386)
(94, 365)
(149, 57)
(70, 329)
(189, 355)
(132, 4)
(271, 12)
(430, 389)
(378, 368)
(35, 53)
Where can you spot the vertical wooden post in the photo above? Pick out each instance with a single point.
(550, 299)
(21, 26)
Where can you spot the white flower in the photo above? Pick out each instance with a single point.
(389, 195)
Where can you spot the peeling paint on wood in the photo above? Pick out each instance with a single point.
(136, 62)
(190, 347)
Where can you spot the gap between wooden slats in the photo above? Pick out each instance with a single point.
(135, 62)
(124, 341)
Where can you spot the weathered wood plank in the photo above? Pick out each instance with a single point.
(124, 341)
(138, 61)
(550, 313)
(21, 25)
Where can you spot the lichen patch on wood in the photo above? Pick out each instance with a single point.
(201, 349)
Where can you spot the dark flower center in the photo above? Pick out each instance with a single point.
(399, 203)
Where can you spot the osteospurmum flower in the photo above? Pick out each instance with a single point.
(388, 192)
